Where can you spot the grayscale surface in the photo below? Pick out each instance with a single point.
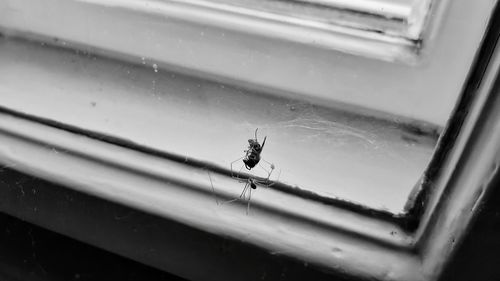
(363, 160)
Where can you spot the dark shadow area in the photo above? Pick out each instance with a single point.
(29, 252)
(478, 258)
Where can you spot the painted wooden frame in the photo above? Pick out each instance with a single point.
(308, 59)
(352, 244)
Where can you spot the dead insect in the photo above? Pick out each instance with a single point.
(252, 154)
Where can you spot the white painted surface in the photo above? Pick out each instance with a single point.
(467, 175)
(337, 155)
(385, 8)
(332, 238)
(285, 57)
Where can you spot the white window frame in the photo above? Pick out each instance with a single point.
(370, 71)
(371, 247)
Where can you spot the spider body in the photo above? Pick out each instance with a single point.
(252, 183)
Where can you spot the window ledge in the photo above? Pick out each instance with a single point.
(331, 154)
(174, 191)
(178, 189)
(327, 237)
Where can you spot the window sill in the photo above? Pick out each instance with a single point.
(176, 190)
(329, 153)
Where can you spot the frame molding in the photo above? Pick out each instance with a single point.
(348, 244)
(343, 242)
(314, 61)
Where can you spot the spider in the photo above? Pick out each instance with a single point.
(250, 183)
(250, 160)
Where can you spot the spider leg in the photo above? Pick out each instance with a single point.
(232, 174)
(236, 176)
(270, 164)
(267, 182)
(277, 179)
(230, 201)
(248, 203)
(241, 195)
(242, 180)
(213, 189)
(265, 169)
(269, 173)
